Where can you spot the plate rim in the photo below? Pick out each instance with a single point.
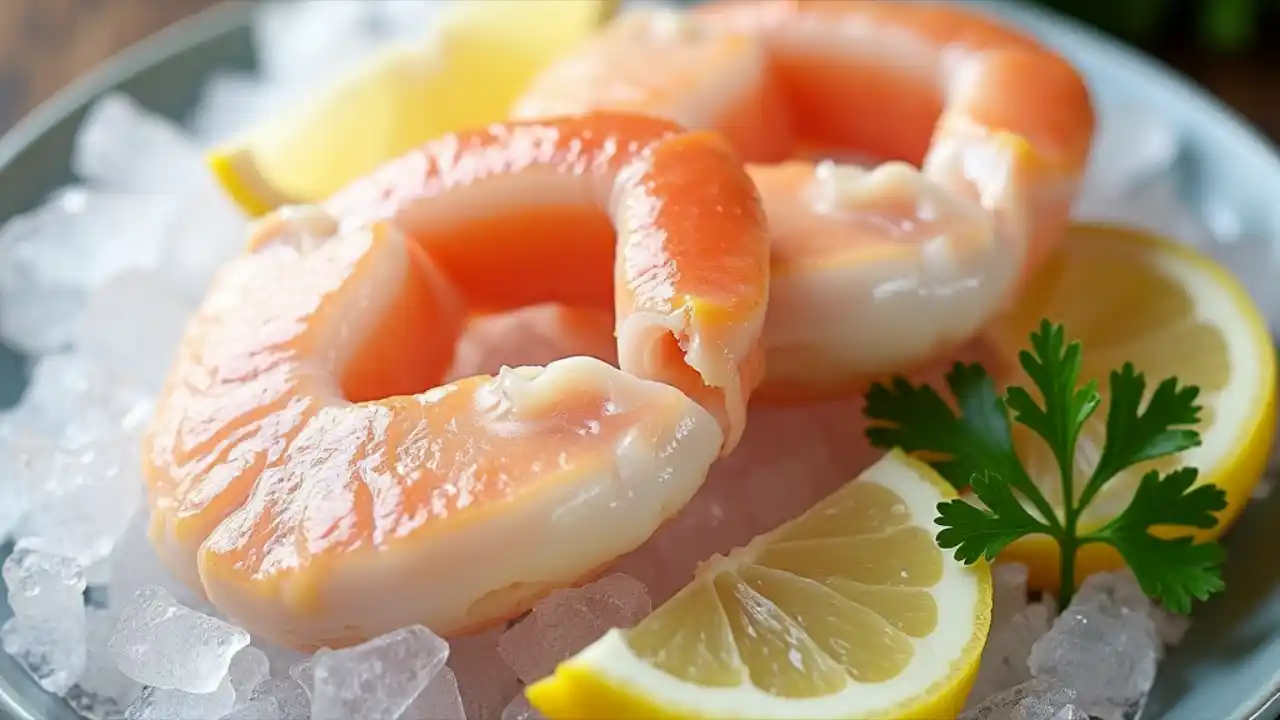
(228, 15)
(220, 18)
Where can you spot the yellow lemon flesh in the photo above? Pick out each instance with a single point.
(467, 75)
(1129, 296)
(849, 611)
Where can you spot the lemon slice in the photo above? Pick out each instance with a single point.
(849, 611)
(467, 75)
(1132, 297)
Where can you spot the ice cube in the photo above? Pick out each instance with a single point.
(1119, 590)
(281, 658)
(440, 700)
(486, 682)
(520, 709)
(38, 581)
(567, 621)
(131, 326)
(1010, 590)
(133, 565)
(1071, 712)
(304, 43)
(159, 704)
(304, 673)
(1108, 612)
(377, 679)
(163, 644)
(1170, 627)
(288, 695)
(1037, 699)
(16, 462)
(248, 667)
(123, 146)
(70, 398)
(103, 692)
(229, 103)
(1009, 643)
(265, 708)
(47, 632)
(84, 504)
(207, 230)
(413, 21)
(67, 246)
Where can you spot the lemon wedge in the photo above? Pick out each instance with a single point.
(467, 75)
(1129, 296)
(849, 611)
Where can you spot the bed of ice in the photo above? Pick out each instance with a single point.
(94, 288)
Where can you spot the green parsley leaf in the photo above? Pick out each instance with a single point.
(915, 418)
(1054, 367)
(1175, 570)
(973, 448)
(1135, 435)
(977, 532)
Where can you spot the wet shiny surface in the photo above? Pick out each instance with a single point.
(1000, 126)
(301, 443)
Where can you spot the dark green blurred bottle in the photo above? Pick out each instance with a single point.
(1220, 25)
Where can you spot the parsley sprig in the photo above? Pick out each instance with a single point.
(972, 447)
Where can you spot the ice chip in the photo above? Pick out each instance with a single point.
(486, 682)
(133, 565)
(288, 696)
(248, 667)
(265, 708)
(229, 103)
(103, 692)
(122, 146)
(1170, 627)
(131, 326)
(377, 679)
(1033, 700)
(1009, 595)
(410, 20)
(83, 506)
(159, 704)
(1108, 612)
(566, 621)
(302, 44)
(71, 399)
(440, 700)
(38, 581)
(520, 709)
(1009, 643)
(1119, 590)
(47, 632)
(163, 644)
(1071, 712)
(15, 492)
(304, 673)
(207, 230)
(66, 247)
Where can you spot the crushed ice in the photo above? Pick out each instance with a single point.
(95, 286)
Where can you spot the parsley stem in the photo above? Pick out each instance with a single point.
(1070, 515)
(1067, 546)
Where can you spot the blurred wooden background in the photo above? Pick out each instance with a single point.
(44, 44)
